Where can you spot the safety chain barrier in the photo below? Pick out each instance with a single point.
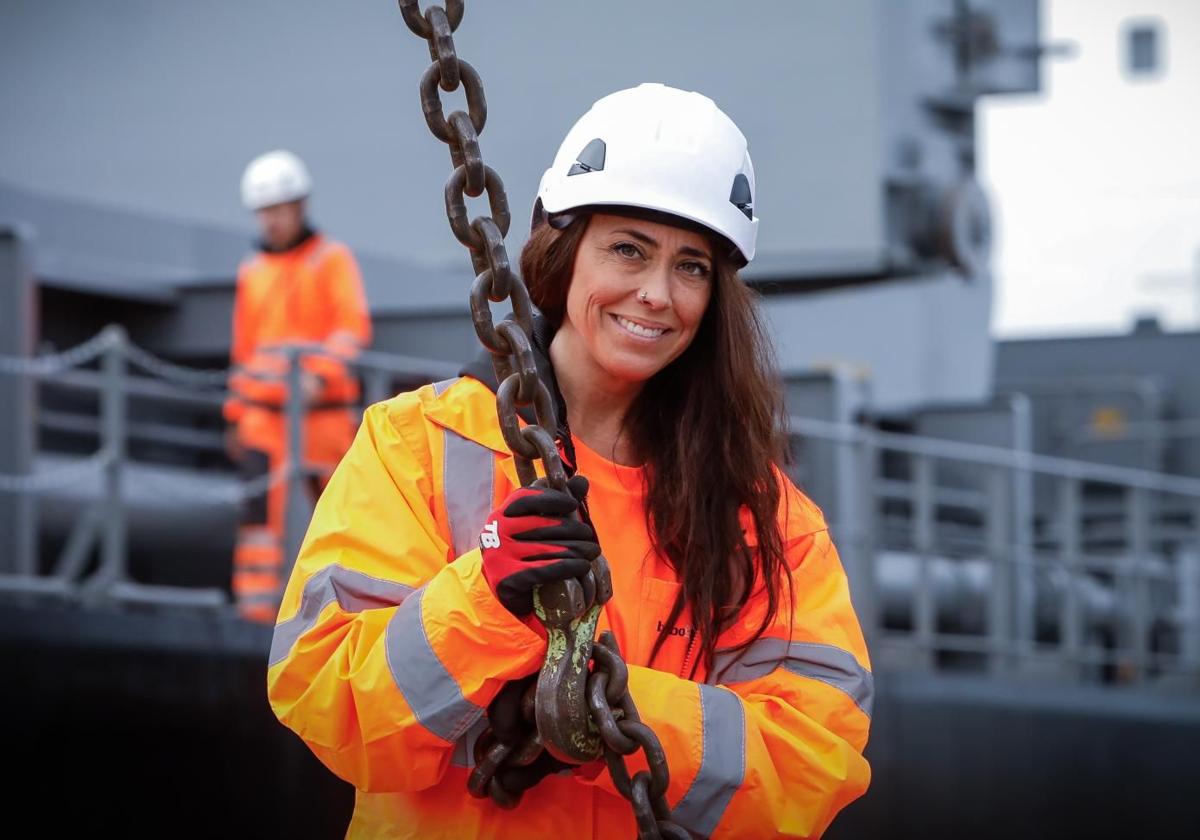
(105, 525)
(163, 369)
(48, 364)
(108, 339)
(51, 363)
(65, 476)
(568, 724)
(233, 494)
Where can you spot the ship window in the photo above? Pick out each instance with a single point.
(1143, 49)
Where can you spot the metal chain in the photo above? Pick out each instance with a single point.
(48, 364)
(622, 734)
(233, 494)
(163, 369)
(163, 486)
(570, 727)
(51, 363)
(52, 479)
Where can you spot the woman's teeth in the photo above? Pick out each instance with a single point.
(638, 329)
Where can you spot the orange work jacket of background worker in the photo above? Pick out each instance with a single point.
(310, 293)
(391, 645)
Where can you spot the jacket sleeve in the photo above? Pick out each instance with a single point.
(352, 318)
(387, 649)
(241, 344)
(350, 326)
(774, 748)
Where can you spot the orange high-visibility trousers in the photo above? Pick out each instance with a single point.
(258, 558)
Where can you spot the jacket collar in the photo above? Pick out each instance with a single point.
(468, 409)
(306, 233)
(475, 417)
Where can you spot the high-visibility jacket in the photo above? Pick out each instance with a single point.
(309, 294)
(390, 645)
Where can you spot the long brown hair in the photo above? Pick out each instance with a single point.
(710, 429)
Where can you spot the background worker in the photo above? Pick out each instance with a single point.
(299, 287)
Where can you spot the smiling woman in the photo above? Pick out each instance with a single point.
(408, 619)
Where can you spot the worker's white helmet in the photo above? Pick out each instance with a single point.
(662, 149)
(273, 178)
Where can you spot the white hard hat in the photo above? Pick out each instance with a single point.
(661, 149)
(273, 178)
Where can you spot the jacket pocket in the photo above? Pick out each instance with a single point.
(658, 597)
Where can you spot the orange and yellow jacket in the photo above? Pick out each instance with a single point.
(390, 646)
(309, 294)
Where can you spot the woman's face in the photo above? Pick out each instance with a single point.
(638, 293)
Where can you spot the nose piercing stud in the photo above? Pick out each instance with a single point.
(643, 295)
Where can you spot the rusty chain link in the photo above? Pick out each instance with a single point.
(622, 733)
(575, 714)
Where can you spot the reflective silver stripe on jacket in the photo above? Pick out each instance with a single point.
(429, 689)
(722, 764)
(464, 747)
(468, 473)
(826, 663)
(354, 592)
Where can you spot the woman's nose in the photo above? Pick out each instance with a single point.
(655, 292)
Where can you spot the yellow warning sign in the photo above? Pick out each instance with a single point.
(1108, 421)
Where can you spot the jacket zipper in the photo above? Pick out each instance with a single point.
(687, 659)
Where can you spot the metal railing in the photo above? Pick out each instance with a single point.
(952, 563)
(108, 366)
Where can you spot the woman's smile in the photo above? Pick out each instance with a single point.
(638, 329)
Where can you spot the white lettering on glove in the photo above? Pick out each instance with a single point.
(490, 537)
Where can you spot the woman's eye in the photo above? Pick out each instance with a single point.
(695, 269)
(627, 249)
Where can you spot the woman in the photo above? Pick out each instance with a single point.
(730, 605)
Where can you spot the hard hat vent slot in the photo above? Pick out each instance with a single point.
(739, 195)
(591, 159)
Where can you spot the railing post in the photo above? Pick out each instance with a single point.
(1024, 579)
(924, 600)
(1188, 572)
(999, 546)
(1070, 547)
(1134, 581)
(376, 384)
(296, 510)
(18, 399)
(863, 586)
(113, 439)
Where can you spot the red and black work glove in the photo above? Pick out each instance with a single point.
(534, 538)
